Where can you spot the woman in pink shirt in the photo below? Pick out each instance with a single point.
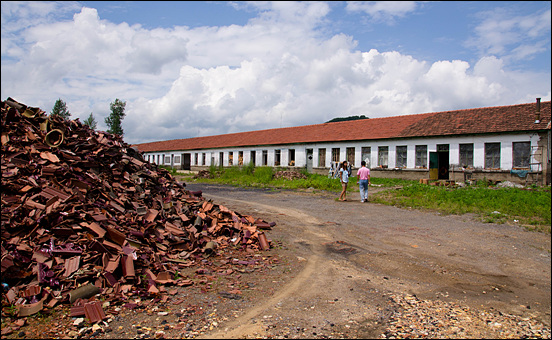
(363, 181)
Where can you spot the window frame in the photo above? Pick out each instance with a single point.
(492, 155)
(420, 156)
(526, 157)
(466, 156)
(322, 157)
(401, 156)
(366, 155)
(383, 156)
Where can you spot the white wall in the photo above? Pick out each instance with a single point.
(505, 140)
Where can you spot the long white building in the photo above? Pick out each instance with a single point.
(496, 143)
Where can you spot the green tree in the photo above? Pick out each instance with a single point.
(91, 122)
(344, 119)
(115, 119)
(60, 109)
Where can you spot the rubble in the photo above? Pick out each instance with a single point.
(289, 175)
(84, 214)
(203, 174)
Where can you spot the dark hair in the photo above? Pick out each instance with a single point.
(363, 163)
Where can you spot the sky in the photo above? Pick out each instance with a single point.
(192, 68)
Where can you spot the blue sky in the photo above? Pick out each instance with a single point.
(190, 69)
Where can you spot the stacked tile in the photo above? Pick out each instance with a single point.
(82, 213)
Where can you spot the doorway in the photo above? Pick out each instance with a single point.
(309, 160)
(186, 161)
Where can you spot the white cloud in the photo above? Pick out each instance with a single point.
(383, 11)
(511, 36)
(277, 70)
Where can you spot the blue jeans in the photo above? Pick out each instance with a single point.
(363, 186)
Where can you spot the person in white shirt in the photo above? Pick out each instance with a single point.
(344, 177)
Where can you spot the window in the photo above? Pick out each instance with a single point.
(176, 159)
(442, 148)
(466, 155)
(383, 156)
(335, 155)
(492, 155)
(421, 156)
(240, 158)
(291, 157)
(203, 158)
(221, 158)
(366, 155)
(401, 151)
(253, 154)
(277, 157)
(322, 158)
(522, 154)
(167, 160)
(265, 157)
(351, 156)
(230, 158)
(196, 158)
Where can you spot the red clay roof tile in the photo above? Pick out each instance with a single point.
(497, 119)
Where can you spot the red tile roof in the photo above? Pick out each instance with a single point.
(498, 119)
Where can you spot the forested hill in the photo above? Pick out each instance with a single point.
(342, 119)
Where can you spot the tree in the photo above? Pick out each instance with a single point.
(60, 109)
(91, 122)
(115, 119)
(344, 119)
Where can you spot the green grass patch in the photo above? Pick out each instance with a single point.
(528, 207)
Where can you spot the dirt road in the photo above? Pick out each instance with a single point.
(363, 269)
(344, 270)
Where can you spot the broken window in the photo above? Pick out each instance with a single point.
(466, 155)
(322, 158)
(335, 155)
(230, 158)
(366, 155)
(253, 154)
(401, 156)
(351, 156)
(383, 156)
(203, 158)
(277, 157)
(521, 154)
(421, 156)
(240, 158)
(291, 157)
(265, 157)
(492, 155)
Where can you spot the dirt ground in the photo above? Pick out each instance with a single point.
(350, 270)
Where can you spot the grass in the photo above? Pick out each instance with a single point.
(528, 207)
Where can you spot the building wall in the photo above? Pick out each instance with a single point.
(506, 141)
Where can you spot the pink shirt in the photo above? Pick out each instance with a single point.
(363, 173)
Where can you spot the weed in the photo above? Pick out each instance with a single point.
(171, 170)
(530, 206)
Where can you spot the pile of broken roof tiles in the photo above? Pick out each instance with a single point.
(84, 214)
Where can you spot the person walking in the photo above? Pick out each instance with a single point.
(344, 177)
(363, 175)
